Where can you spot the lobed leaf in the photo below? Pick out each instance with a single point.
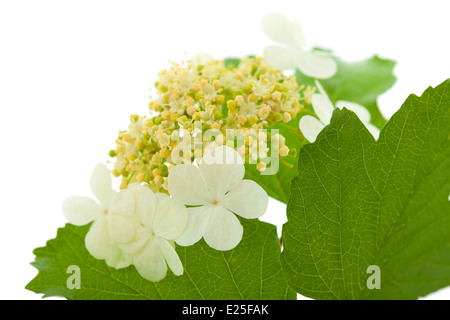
(358, 202)
(251, 271)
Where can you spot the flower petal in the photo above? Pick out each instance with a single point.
(123, 204)
(310, 127)
(145, 203)
(140, 240)
(170, 219)
(222, 169)
(316, 64)
(195, 227)
(119, 259)
(101, 184)
(98, 241)
(322, 108)
(362, 113)
(81, 210)
(284, 58)
(171, 257)
(160, 197)
(186, 185)
(247, 199)
(223, 231)
(121, 229)
(280, 29)
(150, 262)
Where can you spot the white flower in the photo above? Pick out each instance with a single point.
(316, 64)
(323, 107)
(159, 220)
(112, 216)
(217, 190)
(133, 226)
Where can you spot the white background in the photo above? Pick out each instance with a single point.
(72, 72)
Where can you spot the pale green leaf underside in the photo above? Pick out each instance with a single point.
(250, 271)
(357, 202)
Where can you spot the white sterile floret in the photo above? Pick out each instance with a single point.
(323, 107)
(112, 218)
(159, 221)
(133, 226)
(316, 64)
(216, 191)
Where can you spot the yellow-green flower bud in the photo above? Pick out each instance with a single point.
(112, 153)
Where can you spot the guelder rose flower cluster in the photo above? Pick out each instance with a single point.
(182, 175)
(139, 227)
(182, 172)
(207, 96)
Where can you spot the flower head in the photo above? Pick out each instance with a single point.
(159, 220)
(323, 107)
(111, 216)
(316, 64)
(216, 191)
(197, 97)
(133, 226)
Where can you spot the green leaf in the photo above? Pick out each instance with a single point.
(358, 202)
(361, 82)
(251, 271)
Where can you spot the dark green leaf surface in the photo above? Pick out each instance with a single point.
(357, 202)
(251, 271)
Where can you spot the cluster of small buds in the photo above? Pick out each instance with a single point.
(196, 108)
